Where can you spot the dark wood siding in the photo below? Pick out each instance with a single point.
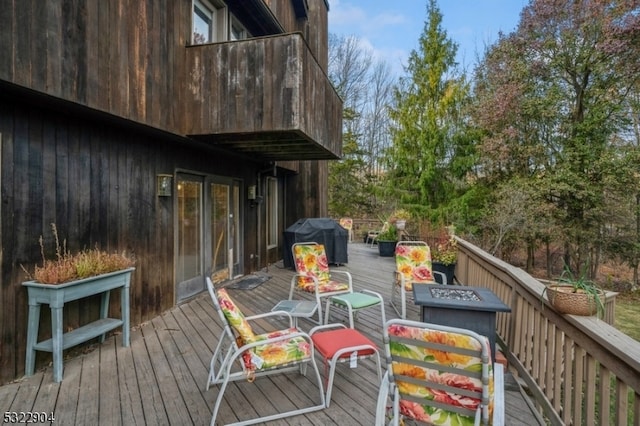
(130, 58)
(95, 100)
(314, 27)
(95, 179)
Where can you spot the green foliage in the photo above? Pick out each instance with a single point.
(545, 150)
(581, 283)
(427, 162)
(548, 100)
(391, 234)
(445, 252)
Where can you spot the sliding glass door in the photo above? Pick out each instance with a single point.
(208, 239)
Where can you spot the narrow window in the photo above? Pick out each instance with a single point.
(272, 212)
(238, 31)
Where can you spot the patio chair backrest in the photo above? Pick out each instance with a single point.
(346, 223)
(311, 261)
(443, 375)
(234, 316)
(413, 261)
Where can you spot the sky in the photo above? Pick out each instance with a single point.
(391, 28)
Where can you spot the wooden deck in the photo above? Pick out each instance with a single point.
(160, 379)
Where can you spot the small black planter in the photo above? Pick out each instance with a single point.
(386, 248)
(447, 270)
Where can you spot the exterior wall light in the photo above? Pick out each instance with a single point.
(164, 185)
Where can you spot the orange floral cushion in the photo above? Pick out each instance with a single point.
(414, 263)
(278, 353)
(427, 413)
(235, 317)
(311, 261)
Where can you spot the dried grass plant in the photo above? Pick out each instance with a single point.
(68, 267)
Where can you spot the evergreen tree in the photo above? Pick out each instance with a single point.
(428, 160)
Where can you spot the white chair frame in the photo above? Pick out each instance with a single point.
(337, 357)
(388, 389)
(318, 296)
(227, 354)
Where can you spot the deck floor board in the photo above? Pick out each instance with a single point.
(160, 379)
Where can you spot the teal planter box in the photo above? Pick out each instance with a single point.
(56, 295)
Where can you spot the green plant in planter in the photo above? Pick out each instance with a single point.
(401, 214)
(391, 234)
(571, 285)
(445, 252)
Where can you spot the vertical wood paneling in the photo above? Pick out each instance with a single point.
(104, 38)
(118, 76)
(95, 179)
(7, 23)
(22, 45)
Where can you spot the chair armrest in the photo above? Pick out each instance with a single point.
(348, 275)
(498, 394)
(271, 314)
(373, 293)
(442, 275)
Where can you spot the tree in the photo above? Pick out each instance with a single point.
(557, 84)
(426, 162)
(364, 85)
(579, 50)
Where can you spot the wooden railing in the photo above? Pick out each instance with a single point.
(579, 370)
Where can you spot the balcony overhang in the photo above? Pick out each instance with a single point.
(266, 98)
(256, 16)
(270, 146)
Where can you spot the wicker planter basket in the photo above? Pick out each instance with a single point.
(565, 301)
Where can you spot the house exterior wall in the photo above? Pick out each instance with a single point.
(94, 103)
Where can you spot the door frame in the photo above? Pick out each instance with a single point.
(190, 287)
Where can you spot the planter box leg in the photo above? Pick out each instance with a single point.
(124, 312)
(32, 338)
(56, 340)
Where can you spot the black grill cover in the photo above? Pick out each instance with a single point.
(321, 230)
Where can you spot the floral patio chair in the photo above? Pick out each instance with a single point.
(313, 275)
(347, 223)
(439, 375)
(413, 266)
(242, 354)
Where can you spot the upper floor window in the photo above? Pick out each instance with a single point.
(213, 22)
(238, 31)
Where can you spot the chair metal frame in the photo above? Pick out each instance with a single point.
(228, 354)
(317, 294)
(390, 390)
(399, 282)
(372, 235)
(339, 355)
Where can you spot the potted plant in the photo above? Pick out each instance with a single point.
(575, 294)
(400, 217)
(444, 257)
(387, 240)
(67, 267)
(70, 277)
